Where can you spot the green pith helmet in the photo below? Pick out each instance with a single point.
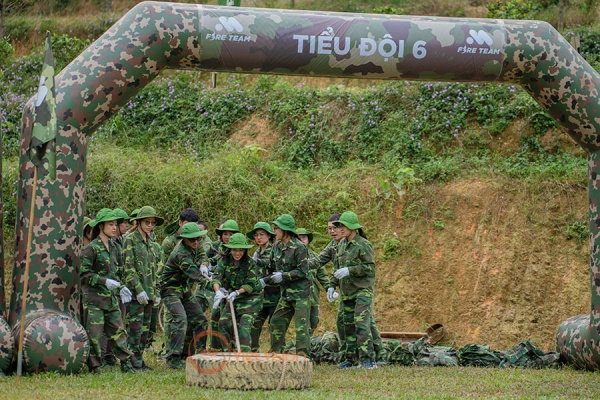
(149, 212)
(302, 231)
(260, 225)
(86, 222)
(286, 222)
(229, 225)
(238, 241)
(121, 214)
(191, 230)
(134, 214)
(349, 220)
(104, 215)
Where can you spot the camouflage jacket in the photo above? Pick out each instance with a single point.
(140, 265)
(119, 242)
(327, 254)
(292, 260)
(357, 255)
(98, 264)
(232, 278)
(318, 276)
(168, 245)
(216, 252)
(271, 292)
(181, 268)
(159, 257)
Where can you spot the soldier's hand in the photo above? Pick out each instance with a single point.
(331, 294)
(262, 282)
(232, 296)
(157, 300)
(204, 270)
(143, 298)
(255, 255)
(112, 284)
(126, 295)
(341, 273)
(218, 297)
(277, 277)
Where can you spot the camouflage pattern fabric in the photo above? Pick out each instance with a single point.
(356, 255)
(140, 265)
(246, 305)
(133, 52)
(299, 310)
(138, 318)
(325, 349)
(398, 354)
(7, 346)
(319, 276)
(437, 356)
(98, 265)
(264, 315)
(478, 355)
(271, 294)
(357, 315)
(185, 311)
(527, 355)
(158, 255)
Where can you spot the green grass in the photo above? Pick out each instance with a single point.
(328, 383)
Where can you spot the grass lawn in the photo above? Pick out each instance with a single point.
(328, 383)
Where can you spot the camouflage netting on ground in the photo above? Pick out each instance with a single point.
(325, 349)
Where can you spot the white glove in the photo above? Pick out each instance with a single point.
(112, 284)
(332, 294)
(255, 255)
(341, 273)
(262, 282)
(143, 298)
(277, 277)
(157, 300)
(126, 295)
(204, 270)
(224, 291)
(218, 297)
(232, 296)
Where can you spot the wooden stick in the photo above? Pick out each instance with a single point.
(26, 278)
(235, 331)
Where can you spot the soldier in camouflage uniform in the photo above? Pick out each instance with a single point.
(108, 357)
(289, 259)
(158, 255)
(318, 276)
(180, 269)
(99, 286)
(263, 236)
(236, 273)
(329, 253)
(354, 274)
(140, 276)
(225, 230)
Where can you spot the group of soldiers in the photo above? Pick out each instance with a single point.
(205, 284)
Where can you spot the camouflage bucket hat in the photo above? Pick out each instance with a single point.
(228, 226)
(105, 215)
(302, 231)
(260, 225)
(172, 228)
(238, 241)
(86, 221)
(149, 212)
(286, 223)
(134, 214)
(191, 230)
(121, 214)
(349, 220)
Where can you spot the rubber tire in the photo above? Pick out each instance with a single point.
(248, 371)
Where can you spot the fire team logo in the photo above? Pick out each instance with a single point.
(228, 29)
(478, 42)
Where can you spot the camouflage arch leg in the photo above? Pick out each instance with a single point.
(138, 327)
(184, 311)
(357, 329)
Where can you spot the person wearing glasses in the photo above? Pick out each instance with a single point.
(354, 274)
(181, 268)
(140, 276)
(235, 281)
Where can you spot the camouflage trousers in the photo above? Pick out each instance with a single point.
(153, 325)
(377, 342)
(106, 346)
(265, 314)
(357, 316)
(215, 341)
(245, 311)
(97, 322)
(138, 328)
(205, 296)
(314, 318)
(281, 319)
(184, 311)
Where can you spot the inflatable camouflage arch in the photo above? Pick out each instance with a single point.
(154, 36)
